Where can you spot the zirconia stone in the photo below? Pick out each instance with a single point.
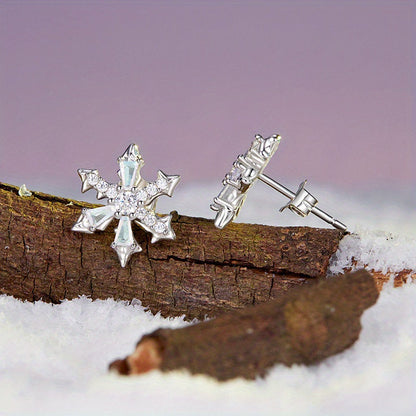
(98, 216)
(141, 195)
(151, 189)
(128, 172)
(93, 179)
(235, 174)
(124, 233)
(125, 202)
(141, 213)
(268, 146)
(132, 198)
(150, 220)
(102, 186)
(112, 191)
(121, 198)
(162, 183)
(119, 201)
(160, 227)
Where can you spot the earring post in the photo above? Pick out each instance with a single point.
(277, 186)
(291, 195)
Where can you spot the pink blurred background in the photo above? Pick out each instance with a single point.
(192, 82)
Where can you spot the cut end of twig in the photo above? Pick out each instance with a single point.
(146, 357)
(120, 367)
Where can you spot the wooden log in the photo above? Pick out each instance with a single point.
(305, 326)
(203, 272)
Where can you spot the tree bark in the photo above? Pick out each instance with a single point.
(203, 272)
(305, 326)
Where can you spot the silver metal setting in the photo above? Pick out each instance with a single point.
(246, 170)
(132, 199)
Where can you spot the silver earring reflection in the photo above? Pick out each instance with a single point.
(132, 199)
(246, 170)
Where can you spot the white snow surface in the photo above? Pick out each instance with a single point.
(54, 358)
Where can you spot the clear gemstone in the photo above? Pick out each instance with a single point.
(112, 191)
(125, 202)
(268, 146)
(160, 227)
(93, 179)
(124, 233)
(121, 199)
(102, 186)
(128, 209)
(131, 198)
(99, 216)
(141, 213)
(150, 220)
(119, 202)
(162, 183)
(141, 195)
(235, 174)
(128, 172)
(151, 189)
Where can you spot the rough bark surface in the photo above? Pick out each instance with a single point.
(305, 326)
(205, 271)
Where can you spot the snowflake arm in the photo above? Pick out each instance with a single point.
(164, 185)
(159, 226)
(91, 179)
(125, 244)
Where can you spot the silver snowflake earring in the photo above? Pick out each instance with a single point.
(246, 170)
(132, 199)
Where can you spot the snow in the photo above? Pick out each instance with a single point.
(380, 251)
(54, 358)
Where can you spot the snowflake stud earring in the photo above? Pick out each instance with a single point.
(132, 199)
(246, 170)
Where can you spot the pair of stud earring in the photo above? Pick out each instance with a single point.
(134, 199)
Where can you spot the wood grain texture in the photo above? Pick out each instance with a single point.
(205, 271)
(305, 326)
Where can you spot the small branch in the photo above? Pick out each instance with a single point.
(305, 326)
